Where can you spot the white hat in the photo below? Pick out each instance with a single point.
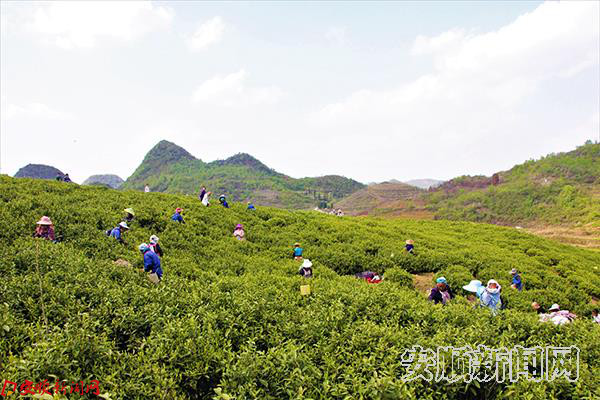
(153, 239)
(554, 307)
(473, 286)
(306, 263)
(123, 224)
(143, 247)
(493, 281)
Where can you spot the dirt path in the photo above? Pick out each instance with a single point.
(423, 282)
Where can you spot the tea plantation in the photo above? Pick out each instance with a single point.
(228, 320)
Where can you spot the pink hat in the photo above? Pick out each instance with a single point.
(238, 226)
(178, 209)
(44, 221)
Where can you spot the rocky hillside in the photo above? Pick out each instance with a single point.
(39, 171)
(112, 181)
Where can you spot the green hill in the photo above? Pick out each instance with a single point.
(560, 188)
(169, 168)
(557, 196)
(228, 320)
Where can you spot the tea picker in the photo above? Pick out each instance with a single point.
(45, 229)
(441, 293)
(410, 246)
(489, 296)
(205, 201)
(238, 232)
(177, 216)
(306, 269)
(151, 263)
(129, 215)
(369, 276)
(154, 246)
(118, 231)
(298, 251)
(517, 283)
(223, 201)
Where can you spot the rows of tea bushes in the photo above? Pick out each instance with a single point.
(228, 320)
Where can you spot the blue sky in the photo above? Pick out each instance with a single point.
(373, 91)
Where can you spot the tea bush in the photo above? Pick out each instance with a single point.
(228, 320)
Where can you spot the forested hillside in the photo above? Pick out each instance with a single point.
(559, 188)
(171, 169)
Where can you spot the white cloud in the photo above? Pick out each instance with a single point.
(488, 89)
(336, 35)
(208, 33)
(232, 91)
(79, 24)
(32, 110)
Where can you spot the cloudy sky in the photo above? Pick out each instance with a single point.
(373, 91)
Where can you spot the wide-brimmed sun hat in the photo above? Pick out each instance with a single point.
(554, 307)
(296, 244)
(306, 263)
(410, 241)
(153, 239)
(123, 225)
(441, 279)
(178, 209)
(130, 211)
(238, 226)
(44, 221)
(143, 247)
(473, 286)
(513, 271)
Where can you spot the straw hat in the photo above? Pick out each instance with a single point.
(44, 221)
(473, 286)
(410, 241)
(297, 244)
(130, 211)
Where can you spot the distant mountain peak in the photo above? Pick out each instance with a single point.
(38, 171)
(246, 160)
(113, 181)
(168, 152)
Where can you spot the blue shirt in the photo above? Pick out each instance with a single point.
(225, 204)
(298, 252)
(177, 217)
(251, 207)
(152, 263)
(116, 233)
(517, 282)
